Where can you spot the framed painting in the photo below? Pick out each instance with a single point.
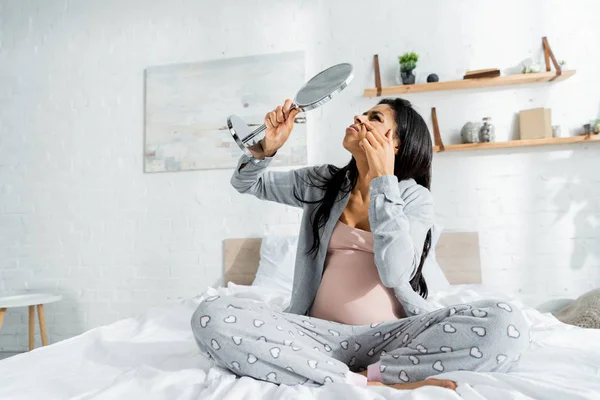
(187, 105)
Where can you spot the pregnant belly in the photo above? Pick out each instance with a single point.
(351, 292)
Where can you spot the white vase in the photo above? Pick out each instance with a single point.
(556, 131)
(487, 132)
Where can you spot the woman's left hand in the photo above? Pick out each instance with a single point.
(380, 151)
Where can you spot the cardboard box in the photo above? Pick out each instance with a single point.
(535, 123)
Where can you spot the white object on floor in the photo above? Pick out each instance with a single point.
(154, 357)
(33, 301)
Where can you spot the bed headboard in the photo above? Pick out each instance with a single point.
(457, 253)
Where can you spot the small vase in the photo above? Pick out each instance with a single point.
(408, 78)
(470, 132)
(556, 131)
(487, 133)
(587, 129)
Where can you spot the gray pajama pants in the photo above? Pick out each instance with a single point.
(250, 339)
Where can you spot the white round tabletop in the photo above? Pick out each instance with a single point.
(29, 299)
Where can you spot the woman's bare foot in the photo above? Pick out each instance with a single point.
(409, 386)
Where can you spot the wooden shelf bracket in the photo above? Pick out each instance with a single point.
(549, 55)
(437, 137)
(377, 74)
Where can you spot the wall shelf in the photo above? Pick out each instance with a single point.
(519, 143)
(519, 79)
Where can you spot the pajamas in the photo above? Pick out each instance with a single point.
(250, 339)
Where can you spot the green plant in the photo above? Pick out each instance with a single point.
(408, 61)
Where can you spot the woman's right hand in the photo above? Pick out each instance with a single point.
(280, 123)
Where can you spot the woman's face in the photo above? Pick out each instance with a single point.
(381, 118)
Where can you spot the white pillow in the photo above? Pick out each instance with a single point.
(433, 274)
(277, 261)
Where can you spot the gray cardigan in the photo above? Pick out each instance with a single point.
(400, 214)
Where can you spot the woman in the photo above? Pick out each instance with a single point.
(358, 312)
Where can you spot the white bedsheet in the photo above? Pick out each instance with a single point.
(154, 356)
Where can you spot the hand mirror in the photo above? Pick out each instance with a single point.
(317, 91)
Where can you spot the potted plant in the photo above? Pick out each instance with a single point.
(408, 62)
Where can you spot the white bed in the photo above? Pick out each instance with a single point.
(154, 356)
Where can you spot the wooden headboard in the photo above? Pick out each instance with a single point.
(457, 253)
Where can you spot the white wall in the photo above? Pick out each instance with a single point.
(78, 217)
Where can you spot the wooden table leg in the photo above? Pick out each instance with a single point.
(31, 327)
(42, 318)
(2, 312)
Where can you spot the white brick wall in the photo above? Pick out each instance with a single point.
(78, 217)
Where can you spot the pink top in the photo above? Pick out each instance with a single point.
(351, 291)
